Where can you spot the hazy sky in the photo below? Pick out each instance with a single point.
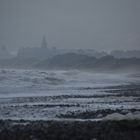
(99, 24)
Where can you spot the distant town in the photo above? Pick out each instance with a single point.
(44, 51)
(45, 57)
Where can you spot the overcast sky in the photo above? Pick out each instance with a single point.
(99, 24)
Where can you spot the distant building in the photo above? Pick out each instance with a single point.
(36, 52)
(44, 43)
(126, 54)
(44, 52)
(4, 53)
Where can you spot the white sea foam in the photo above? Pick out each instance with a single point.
(26, 93)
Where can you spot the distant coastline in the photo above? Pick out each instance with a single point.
(75, 61)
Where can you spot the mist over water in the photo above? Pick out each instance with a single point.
(53, 82)
(43, 94)
(69, 69)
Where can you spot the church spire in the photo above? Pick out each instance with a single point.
(44, 43)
